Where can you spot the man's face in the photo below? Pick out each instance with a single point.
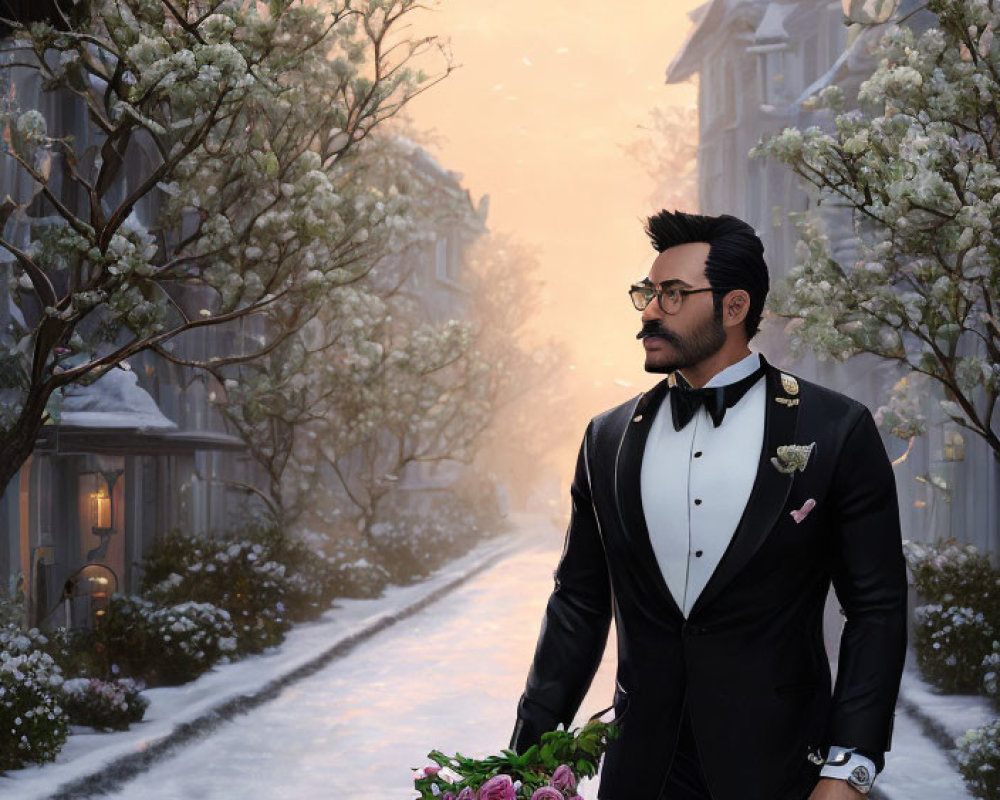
(695, 332)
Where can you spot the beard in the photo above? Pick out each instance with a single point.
(682, 352)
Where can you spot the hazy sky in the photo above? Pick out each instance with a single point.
(537, 116)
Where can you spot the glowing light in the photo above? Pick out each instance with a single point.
(100, 509)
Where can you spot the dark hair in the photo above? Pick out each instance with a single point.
(735, 255)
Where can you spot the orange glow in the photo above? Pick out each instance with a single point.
(100, 509)
(537, 116)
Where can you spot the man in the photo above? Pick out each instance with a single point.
(710, 515)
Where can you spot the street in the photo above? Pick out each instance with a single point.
(447, 678)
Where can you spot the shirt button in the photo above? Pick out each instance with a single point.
(698, 553)
(698, 454)
(697, 501)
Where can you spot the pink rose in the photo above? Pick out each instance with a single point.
(466, 794)
(547, 793)
(563, 779)
(499, 787)
(448, 796)
(426, 772)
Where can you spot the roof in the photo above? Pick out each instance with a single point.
(116, 415)
(115, 400)
(713, 23)
(69, 440)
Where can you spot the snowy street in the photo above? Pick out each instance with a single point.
(448, 677)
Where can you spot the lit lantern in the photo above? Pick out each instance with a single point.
(869, 12)
(100, 509)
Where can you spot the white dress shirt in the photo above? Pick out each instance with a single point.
(695, 484)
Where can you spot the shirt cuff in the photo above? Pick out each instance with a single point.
(844, 770)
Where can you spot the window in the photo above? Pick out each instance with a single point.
(954, 445)
(446, 258)
(441, 258)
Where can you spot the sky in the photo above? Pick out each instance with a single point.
(547, 96)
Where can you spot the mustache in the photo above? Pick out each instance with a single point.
(652, 328)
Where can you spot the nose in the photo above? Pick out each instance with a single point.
(652, 311)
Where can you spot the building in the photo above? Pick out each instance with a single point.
(430, 276)
(137, 452)
(142, 450)
(756, 63)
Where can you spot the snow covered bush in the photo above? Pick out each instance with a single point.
(415, 541)
(103, 704)
(955, 629)
(947, 572)
(311, 578)
(361, 577)
(979, 760)
(165, 645)
(232, 572)
(33, 724)
(74, 652)
(991, 674)
(950, 644)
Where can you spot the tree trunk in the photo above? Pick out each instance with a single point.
(18, 443)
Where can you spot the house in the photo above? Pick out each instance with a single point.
(756, 63)
(137, 452)
(142, 450)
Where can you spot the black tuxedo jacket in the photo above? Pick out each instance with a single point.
(749, 661)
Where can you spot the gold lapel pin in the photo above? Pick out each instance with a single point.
(786, 402)
(789, 384)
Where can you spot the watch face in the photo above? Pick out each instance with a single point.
(860, 776)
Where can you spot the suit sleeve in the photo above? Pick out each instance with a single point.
(869, 577)
(574, 630)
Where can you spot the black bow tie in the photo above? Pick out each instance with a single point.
(685, 401)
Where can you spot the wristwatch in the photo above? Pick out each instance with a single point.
(860, 774)
(861, 778)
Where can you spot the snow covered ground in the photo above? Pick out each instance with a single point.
(916, 768)
(447, 677)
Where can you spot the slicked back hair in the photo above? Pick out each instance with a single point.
(735, 255)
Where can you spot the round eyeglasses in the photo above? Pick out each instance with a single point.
(669, 299)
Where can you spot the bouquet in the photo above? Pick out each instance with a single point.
(548, 770)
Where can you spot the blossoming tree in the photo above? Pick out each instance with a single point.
(918, 166)
(312, 401)
(260, 116)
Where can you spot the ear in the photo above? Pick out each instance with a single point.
(736, 306)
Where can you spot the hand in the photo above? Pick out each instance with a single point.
(835, 789)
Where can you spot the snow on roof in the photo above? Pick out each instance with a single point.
(115, 400)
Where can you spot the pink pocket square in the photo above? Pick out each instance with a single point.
(803, 512)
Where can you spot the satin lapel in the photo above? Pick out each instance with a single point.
(769, 493)
(628, 489)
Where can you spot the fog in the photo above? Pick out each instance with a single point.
(538, 115)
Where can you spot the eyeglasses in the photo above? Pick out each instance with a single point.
(669, 299)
